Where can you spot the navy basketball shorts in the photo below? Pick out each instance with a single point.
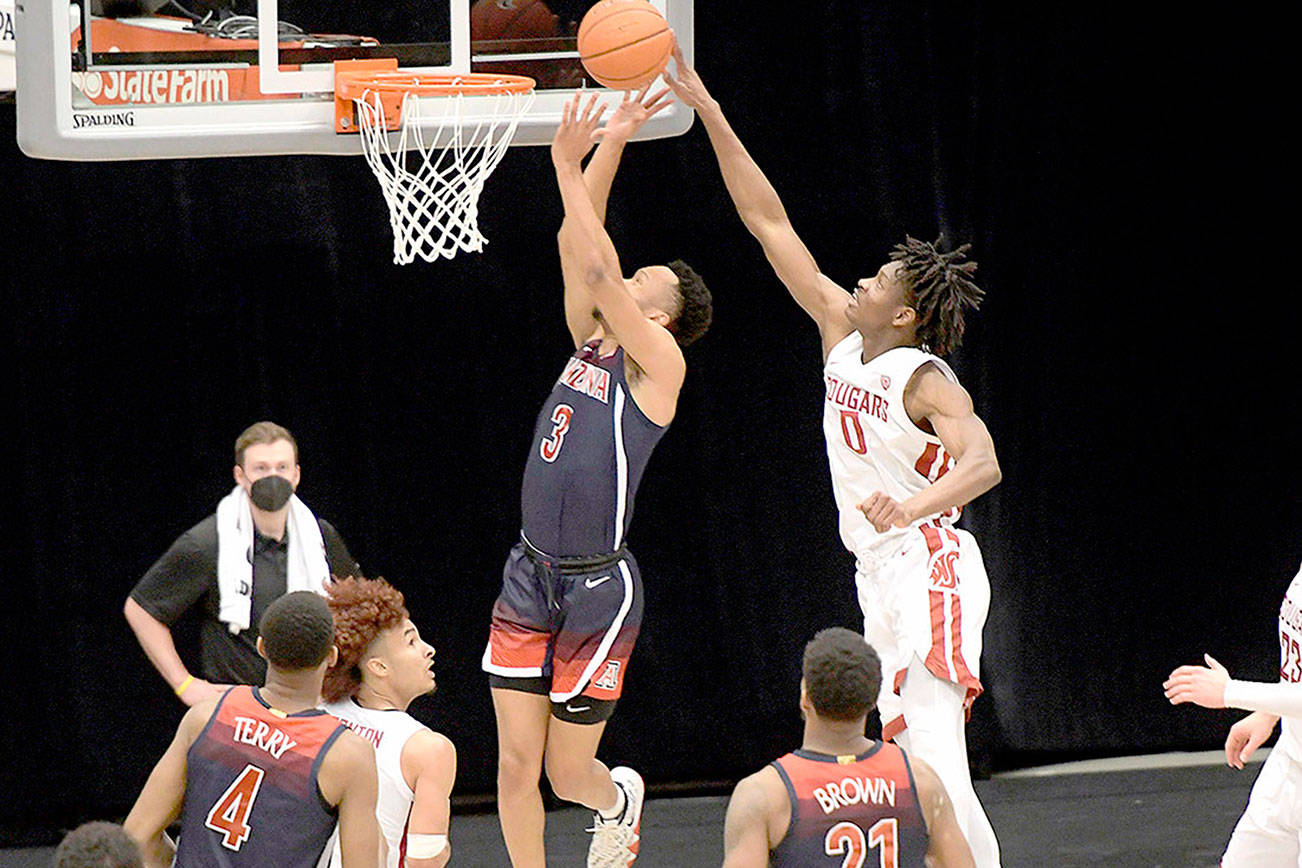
(573, 647)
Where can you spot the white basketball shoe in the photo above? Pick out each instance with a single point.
(615, 842)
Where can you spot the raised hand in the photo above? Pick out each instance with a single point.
(577, 132)
(1201, 685)
(686, 85)
(633, 112)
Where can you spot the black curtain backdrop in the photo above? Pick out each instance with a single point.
(1124, 187)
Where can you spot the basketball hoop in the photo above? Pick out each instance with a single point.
(432, 140)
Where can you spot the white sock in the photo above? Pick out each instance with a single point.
(617, 810)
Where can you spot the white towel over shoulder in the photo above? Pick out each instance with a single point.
(308, 569)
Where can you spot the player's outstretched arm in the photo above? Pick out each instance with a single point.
(429, 763)
(160, 801)
(746, 836)
(946, 846)
(947, 406)
(627, 119)
(348, 780)
(588, 257)
(762, 211)
(1212, 687)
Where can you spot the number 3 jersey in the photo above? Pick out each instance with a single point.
(251, 794)
(873, 445)
(851, 810)
(590, 446)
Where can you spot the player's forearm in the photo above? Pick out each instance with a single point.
(757, 202)
(155, 639)
(582, 237)
(600, 174)
(1280, 699)
(971, 476)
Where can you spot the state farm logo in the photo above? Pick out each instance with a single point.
(155, 86)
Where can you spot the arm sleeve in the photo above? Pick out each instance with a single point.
(1281, 698)
(338, 557)
(180, 577)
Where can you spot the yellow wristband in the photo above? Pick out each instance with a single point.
(184, 685)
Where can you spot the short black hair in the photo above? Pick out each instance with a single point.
(695, 305)
(937, 286)
(842, 673)
(297, 631)
(97, 845)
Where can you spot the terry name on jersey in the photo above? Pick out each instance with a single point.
(855, 791)
(587, 379)
(842, 394)
(262, 735)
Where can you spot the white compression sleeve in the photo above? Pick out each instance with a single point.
(425, 846)
(1280, 697)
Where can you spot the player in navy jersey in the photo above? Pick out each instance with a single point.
(260, 776)
(842, 795)
(571, 602)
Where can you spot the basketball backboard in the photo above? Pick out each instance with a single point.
(148, 79)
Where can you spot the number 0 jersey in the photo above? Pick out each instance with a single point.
(590, 446)
(844, 807)
(873, 445)
(251, 795)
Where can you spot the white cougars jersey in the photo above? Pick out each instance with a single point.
(1290, 664)
(388, 731)
(873, 445)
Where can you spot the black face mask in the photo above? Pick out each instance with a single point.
(270, 493)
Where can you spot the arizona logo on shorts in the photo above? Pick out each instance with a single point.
(609, 679)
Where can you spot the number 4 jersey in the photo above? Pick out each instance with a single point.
(251, 795)
(851, 811)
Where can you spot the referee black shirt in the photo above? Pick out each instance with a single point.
(187, 574)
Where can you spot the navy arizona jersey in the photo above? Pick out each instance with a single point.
(590, 446)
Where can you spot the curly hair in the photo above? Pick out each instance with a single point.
(842, 673)
(695, 305)
(363, 609)
(938, 286)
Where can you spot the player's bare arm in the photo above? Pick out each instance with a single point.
(429, 765)
(752, 827)
(763, 213)
(348, 780)
(590, 257)
(946, 846)
(627, 119)
(1247, 735)
(160, 801)
(931, 398)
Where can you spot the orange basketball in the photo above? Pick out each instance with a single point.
(624, 43)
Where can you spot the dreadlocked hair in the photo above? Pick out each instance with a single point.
(362, 609)
(938, 286)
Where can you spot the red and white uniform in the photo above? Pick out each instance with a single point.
(388, 731)
(923, 589)
(1270, 831)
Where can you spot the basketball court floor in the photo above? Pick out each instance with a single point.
(1163, 811)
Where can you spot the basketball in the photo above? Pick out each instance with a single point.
(624, 43)
(511, 19)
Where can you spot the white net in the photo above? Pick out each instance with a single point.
(433, 168)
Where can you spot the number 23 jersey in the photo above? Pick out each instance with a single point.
(1290, 663)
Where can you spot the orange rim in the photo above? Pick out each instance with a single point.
(351, 85)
